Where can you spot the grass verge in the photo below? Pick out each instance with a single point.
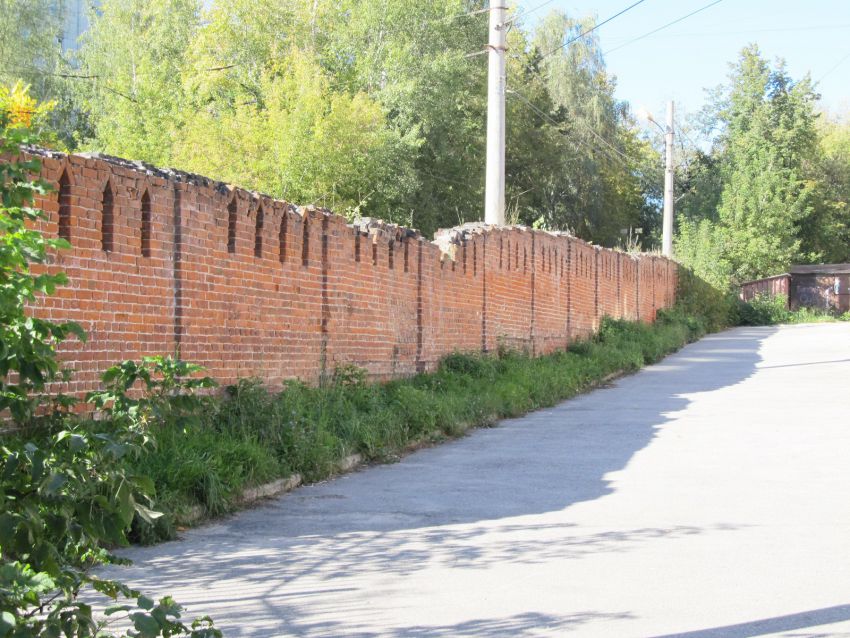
(250, 435)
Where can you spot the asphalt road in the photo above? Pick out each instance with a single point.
(707, 496)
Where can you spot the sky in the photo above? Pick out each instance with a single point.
(682, 60)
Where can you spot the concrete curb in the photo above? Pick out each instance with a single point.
(274, 488)
(280, 486)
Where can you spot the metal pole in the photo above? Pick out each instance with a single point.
(494, 198)
(667, 234)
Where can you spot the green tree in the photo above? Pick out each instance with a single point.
(826, 236)
(28, 343)
(701, 185)
(31, 34)
(368, 107)
(132, 59)
(413, 58)
(750, 202)
(295, 137)
(598, 157)
(30, 43)
(700, 245)
(766, 195)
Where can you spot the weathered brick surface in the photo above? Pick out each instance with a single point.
(123, 300)
(250, 286)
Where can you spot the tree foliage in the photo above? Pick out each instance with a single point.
(766, 197)
(379, 108)
(599, 152)
(372, 108)
(31, 33)
(294, 136)
(131, 61)
(768, 194)
(826, 236)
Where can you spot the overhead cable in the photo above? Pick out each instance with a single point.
(662, 27)
(522, 14)
(834, 67)
(618, 158)
(811, 27)
(592, 29)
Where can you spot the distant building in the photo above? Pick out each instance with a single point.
(823, 286)
(75, 19)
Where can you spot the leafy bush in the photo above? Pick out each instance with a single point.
(63, 501)
(27, 343)
(710, 304)
(168, 392)
(767, 310)
(762, 310)
(68, 489)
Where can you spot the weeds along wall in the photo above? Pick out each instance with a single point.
(248, 286)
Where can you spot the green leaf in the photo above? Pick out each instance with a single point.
(37, 470)
(54, 483)
(113, 588)
(144, 484)
(146, 625)
(125, 503)
(145, 603)
(77, 443)
(77, 330)
(116, 450)
(148, 515)
(7, 623)
(8, 524)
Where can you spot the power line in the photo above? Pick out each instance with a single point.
(592, 29)
(837, 64)
(669, 24)
(625, 164)
(77, 76)
(685, 133)
(545, 116)
(522, 14)
(813, 27)
(602, 140)
(451, 18)
(409, 29)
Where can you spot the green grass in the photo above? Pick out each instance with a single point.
(250, 436)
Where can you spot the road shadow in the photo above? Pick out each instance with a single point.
(765, 626)
(470, 503)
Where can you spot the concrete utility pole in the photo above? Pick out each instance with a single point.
(494, 198)
(669, 202)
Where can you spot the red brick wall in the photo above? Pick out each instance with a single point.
(125, 301)
(250, 286)
(509, 307)
(582, 304)
(771, 286)
(550, 294)
(646, 288)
